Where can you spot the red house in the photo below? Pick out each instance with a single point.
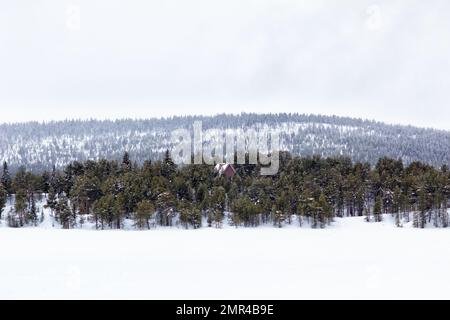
(225, 169)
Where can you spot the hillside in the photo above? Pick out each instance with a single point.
(39, 146)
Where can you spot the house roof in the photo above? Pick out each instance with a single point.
(223, 167)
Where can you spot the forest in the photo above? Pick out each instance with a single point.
(40, 146)
(309, 191)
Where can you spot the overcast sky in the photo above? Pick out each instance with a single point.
(383, 60)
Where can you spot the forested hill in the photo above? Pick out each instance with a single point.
(39, 146)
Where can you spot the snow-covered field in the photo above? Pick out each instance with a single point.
(352, 259)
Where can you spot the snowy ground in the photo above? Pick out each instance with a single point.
(352, 259)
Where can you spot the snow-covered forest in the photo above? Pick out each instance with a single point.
(327, 229)
(40, 146)
(310, 191)
(351, 214)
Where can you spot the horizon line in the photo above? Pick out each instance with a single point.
(212, 115)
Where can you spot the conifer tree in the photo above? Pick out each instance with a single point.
(20, 206)
(126, 162)
(144, 212)
(421, 219)
(367, 213)
(378, 209)
(278, 217)
(184, 210)
(103, 210)
(168, 166)
(217, 200)
(196, 218)
(165, 204)
(32, 215)
(397, 205)
(6, 180)
(51, 199)
(324, 211)
(308, 207)
(64, 213)
(3, 199)
(119, 209)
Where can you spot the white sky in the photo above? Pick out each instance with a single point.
(383, 60)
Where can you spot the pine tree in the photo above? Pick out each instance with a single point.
(378, 209)
(103, 210)
(278, 217)
(396, 205)
(51, 199)
(119, 209)
(217, 201)
(168, 167)
(324, 211)
(20, 206)
(144, 212)
(54, 181)
(6, 180)
(360, 201)
(3, 199)
(218, 217)
(184, 214)
(421, 220)
(45, 182)
(209, 219)
(126, 162)
(404, 206)
(367, 213)
(64, 213)
(32, 215)
(308, 207)
(109, 213)
(196, 218)
(85, 191)
(165, 204)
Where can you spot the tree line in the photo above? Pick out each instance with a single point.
(39, 146)
(309, 191)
